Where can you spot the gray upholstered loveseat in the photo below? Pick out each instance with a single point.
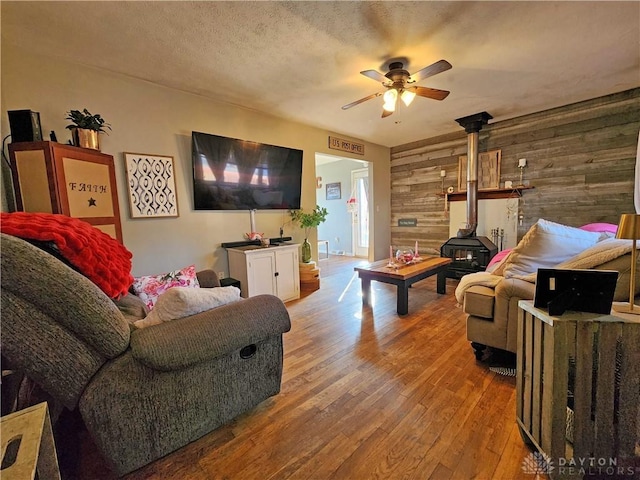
(142, 393)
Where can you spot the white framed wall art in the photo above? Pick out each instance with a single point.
(151, 185)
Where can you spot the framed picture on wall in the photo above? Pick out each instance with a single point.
(333, 191)
(151, 185)
(488, 171)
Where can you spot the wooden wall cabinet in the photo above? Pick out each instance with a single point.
(52, 177)
(270, 270)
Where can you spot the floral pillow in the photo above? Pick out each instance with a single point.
(150, 287)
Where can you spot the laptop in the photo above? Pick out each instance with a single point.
(577, 290)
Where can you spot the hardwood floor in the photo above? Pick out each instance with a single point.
(365, 394)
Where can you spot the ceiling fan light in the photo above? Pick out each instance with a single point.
(407, 97)
(390, 98)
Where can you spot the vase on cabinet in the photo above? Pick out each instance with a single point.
(85, 138)
(306, 251)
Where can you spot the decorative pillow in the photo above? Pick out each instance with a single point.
(150, 287)
(180, 302)
(606, 230)
(545, 245)
(498, 256)
(600, 227)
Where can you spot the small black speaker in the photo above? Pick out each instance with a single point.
(25, 126)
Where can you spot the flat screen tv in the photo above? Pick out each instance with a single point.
(232, 174)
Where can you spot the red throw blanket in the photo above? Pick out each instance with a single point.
(98, 256)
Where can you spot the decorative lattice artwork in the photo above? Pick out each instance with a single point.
(151, 186)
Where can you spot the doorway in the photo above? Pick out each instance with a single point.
(339, 230)
(360, 212)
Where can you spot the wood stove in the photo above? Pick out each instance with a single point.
(470, 253)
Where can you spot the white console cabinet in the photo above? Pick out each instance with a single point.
(266, 270)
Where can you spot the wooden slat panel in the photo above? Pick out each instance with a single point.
(619, 103)
(457, 137)
(528, 370)
(583, 426)
(604, 384)
(629, 405)
(577, 155)
(440, 154)
(559, 133)
(520, 365)
(538, 354)
(560, 388)
(548, 362)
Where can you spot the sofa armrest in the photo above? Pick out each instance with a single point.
(478, 301)
(132, 307)
(514, 287)
(180, 343)
(208, 278)
(508, 293)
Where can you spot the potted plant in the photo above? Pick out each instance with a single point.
(307, 221)
(86, 128)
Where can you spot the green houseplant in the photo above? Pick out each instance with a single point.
(86, 128)
(307, 221)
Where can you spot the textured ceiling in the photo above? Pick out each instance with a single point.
(301, 60)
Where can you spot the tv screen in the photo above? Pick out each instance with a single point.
(232, 174)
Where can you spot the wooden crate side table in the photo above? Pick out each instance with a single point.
(578, 388)
(36, 449)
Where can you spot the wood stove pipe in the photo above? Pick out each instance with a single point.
(472, 125)
(472, 183)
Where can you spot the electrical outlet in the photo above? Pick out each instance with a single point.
(221, 275)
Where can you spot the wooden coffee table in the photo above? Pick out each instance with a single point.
(403, 277)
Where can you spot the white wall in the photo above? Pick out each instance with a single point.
(492, 214)
(147, 118)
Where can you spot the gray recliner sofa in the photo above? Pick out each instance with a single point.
(142, 393)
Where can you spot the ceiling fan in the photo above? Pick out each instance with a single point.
(398, 83)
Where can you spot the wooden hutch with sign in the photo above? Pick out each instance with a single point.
(78, 182)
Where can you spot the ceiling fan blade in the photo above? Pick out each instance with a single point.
(432, 93)
(375, 75)
(358, 102)
(385, 113)
(433, 69)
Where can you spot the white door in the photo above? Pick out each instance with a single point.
(261, 274)
(360, 214)
(287, 274)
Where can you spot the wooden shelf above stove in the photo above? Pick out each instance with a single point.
(514, 192)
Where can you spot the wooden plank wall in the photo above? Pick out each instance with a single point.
(580, 159)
